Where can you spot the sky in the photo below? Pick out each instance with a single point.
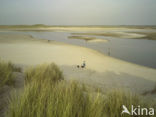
(78, 12)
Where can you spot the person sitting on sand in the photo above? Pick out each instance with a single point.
(83, 65)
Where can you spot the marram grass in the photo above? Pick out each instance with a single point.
(44, 72)
(6, 73)
(46, 95)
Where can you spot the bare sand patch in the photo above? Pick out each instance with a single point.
(88, 39)
(98, 41)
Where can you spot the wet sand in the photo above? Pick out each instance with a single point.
(118, 34)
(101, 70)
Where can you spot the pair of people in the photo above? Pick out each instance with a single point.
(82, 66)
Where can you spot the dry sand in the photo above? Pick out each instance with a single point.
(88, 39)
(97, 41)
(101, 70)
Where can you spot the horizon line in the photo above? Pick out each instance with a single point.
(66, 25)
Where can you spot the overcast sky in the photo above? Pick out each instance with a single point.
(78, 12)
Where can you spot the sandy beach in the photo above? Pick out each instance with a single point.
(101, 70)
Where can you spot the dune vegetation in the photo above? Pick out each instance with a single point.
(22, 26)
(6, 73)
(43, 72)
(47, 94)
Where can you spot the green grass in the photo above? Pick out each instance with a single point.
(43, 72)
(46, 94)
(6, 73)
(60, 100)
(116, 98)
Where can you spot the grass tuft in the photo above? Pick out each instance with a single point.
(6, 73)
(44, 72)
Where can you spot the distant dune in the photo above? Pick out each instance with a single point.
(132, 32)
